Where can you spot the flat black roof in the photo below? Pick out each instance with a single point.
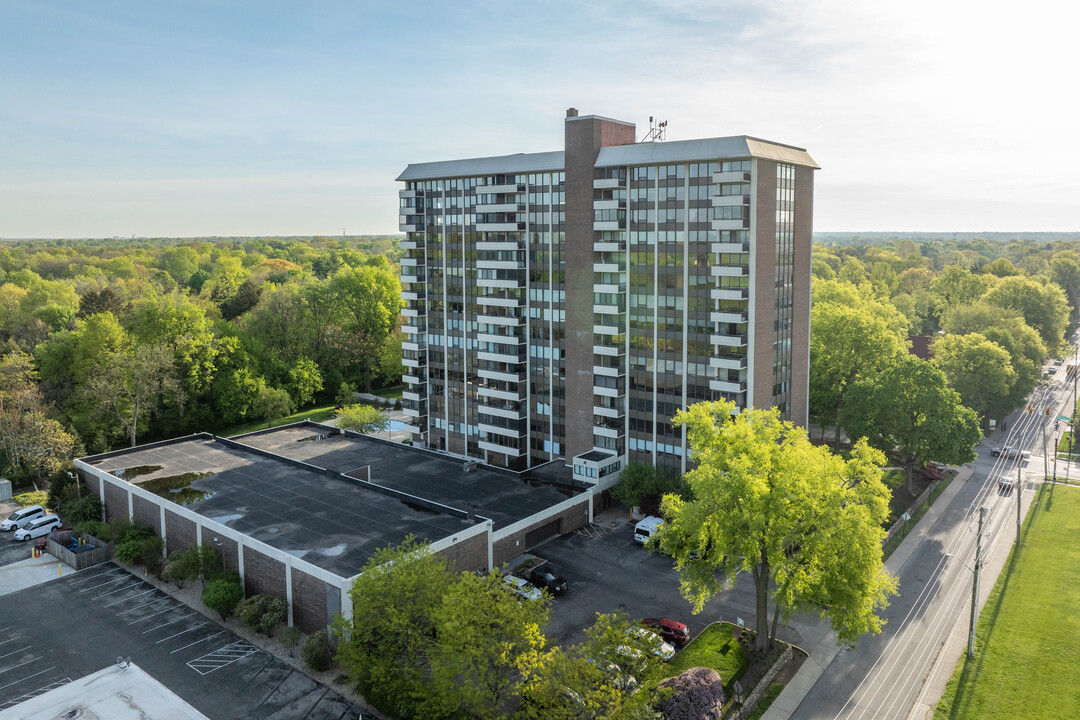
(502, 497)
(257, 485)
(329, 522)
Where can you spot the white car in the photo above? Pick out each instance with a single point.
(37, 528)
(22, 517)
(658, 646)
(522, 588)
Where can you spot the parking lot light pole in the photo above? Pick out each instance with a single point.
(221, 551)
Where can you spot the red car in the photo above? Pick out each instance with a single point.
(670, 630)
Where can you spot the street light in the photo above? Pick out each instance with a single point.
(221, 551)
(976, 572)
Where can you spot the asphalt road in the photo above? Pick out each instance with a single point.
(885, 676)
(70, 627)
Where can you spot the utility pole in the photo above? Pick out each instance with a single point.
(975, 585)
(1046, 458)
(1019, 480)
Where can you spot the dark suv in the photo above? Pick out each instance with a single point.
(547, 577)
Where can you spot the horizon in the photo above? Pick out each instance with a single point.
(280, 120)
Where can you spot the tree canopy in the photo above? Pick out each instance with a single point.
(805, 523)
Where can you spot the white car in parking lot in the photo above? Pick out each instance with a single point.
(22, 517)
(38, 528)
(522, 588)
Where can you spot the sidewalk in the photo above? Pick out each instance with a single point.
(31, 572)
(826, 649)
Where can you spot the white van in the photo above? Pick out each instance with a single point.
(22, 517)
(647, 528)
(42, 526)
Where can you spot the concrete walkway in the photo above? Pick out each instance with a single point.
(30, 572)
(825, 650)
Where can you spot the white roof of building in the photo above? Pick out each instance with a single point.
(649, 153)
(474, 167)
(119, 692)
(740, 146)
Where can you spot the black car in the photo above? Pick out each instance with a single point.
(547, 577)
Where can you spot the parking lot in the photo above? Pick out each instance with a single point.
(65, 629)
(608, 571)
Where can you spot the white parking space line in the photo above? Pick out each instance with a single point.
(145, 604)
(208, 637)
(150, 616)
(182, 632)
(110, 582)
(158, 627)
(93, 577)
(15, 651)
(13, 639)
(20, 664)
(221, 657)
(117, 602)
(126, 587)
(42, 672)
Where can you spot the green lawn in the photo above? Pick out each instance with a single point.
(319, 413)
(1025, 662)
(714, 647)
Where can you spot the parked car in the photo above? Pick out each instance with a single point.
(547, 577)
(663, 650)
(521, 588)
(22, 517)
(670, 630)
(1003, 450)
(38, 528)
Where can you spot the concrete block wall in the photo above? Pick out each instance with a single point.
(116, 502)
(263, 575)
(146, 513)
(181, 532)
(308, 601)
(469, 554)
(571, 518)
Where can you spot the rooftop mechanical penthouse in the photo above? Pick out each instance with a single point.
(565, 304)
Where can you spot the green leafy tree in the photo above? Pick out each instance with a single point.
(804, 523)
(181, 567)
(346, 394)
(1041, 302)
(304, 381)
(1065, 271)
(643, 485)
(129, 383)
(852, 335)
(980, 370)
(956, 286)
(272, 403)
(489, 643)
(567, 686)
(44, 446)
(222, 596)
(911, 409)
(368, 301)
(362, 419)
(385, 645)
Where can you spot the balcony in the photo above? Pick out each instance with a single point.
(414, 225)
(607, 225)
(729, 293)
(609, 183)
(414, 295)
(603, 267)
(728, 340)
(505, 357)
(728, 363)
(414, 193)
(731, 177)
(729, 248)
(412, 245)
(500, 282)
(409, 312)
(419, 378)
(513, 396)
(507, 207)
(609, 204)
(609, 329)
(408, 395)
(499, 245)
(609, 288)
(413, 279)
(509, 410)
(504, 341)
(499, 226)
(416, 345)
(501, 375)
(500, 264)
(728, 317)
(609, 350)
(496, 448)
(730, 271)
(608, 392)
(505, 319)
(500, 300)
(607, 309)
(734, 224)
(609, 246)
(608, 371)
(500, 189)
(607, 432)
(407, 261)
(727, 200)
(726, 386)
(496, 430)
(607, 412)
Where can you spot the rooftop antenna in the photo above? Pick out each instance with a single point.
(657, 131)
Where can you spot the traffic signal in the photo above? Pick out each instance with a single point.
(1029, 409)
(1047, 411)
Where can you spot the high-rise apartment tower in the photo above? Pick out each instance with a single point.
(566, 304)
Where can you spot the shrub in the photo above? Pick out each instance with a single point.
(90, 527)
(181, 567)
(290, 638)
(222, 595)
(697, 693)
(263, 613)
(88, 508)
(140, 551)
(316, 652)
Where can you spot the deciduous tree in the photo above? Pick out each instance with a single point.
(980, 370)
(129, 383)
(362, 419)
(805, 523)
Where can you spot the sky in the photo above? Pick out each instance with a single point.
(241, 118)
